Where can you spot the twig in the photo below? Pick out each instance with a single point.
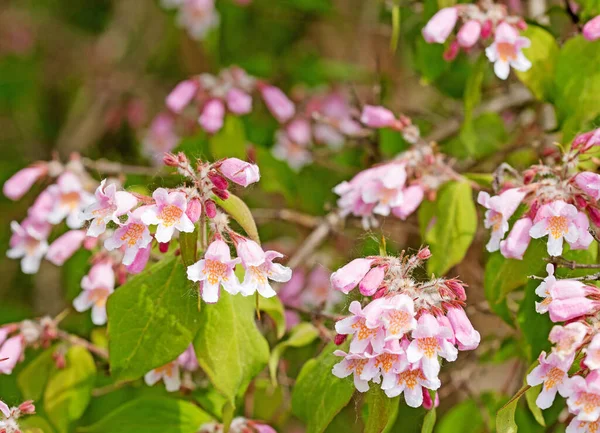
(110, 167)
(287, 215)
(564, 263)
(74, 339)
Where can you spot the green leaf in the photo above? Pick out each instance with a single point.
(240, 212)
(542, 53)
(188, 242)
(429, 422)
(465, 417)
(531, 395)
(69, 390)
(534, 326)
(316, 379)
(275, 310)
(472, 97)
(152, 319)
(151, 415)
(230, 141)
(490, 136)
(35, 424)
(448, 225)
(33, 378)
(505, 418)
(230, 349)
(301, 335)
(381, 410)
(395, 28)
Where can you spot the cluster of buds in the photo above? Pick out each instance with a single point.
(400, 335)
(577, 304)
(482, 21)
(559, 203)
(238, 425)
(171, 373)
(396, 187)
(10, 415)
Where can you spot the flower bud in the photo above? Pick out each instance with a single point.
(210, 208)
(218, 181)
(22, 181)
(340, 338)
(347, 277)
(238, 101)
(594, 214)
(428, 403)
(589, 183)
(440, 25)
(194, 209)
(515, 245)
(486, 29)
(371, 282)
(452, 51)
(213, 114)
(241, 172)
(181, 95)
(591, 30)
(466, 336)
(457, 288)
(163, 247)
(59, 359)
(469, 34)
(280, 106)
(170, 160)
(65, 246)
(27, 407)
(377, 117)
(424, 253)
(223, 195)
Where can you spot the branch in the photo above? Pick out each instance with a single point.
(105, 166)
(287, 215)
(570, 264)
(74, 339)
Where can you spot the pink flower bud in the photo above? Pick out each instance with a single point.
(371, 282)
(347, 277)
(140, 261)
(12, 351)
(424, 253)
(65, 246)
(377, 117)
(5, 410)
(591, 30)
(589, 183)
(587, 140)
(515, 245)
(194, 209)
(163, 247)
(340, 338)
(466, 336)
(594, 214)
(238, 101)
(22, 181)
(90, 242)
(223, 195)
(212, 116)
(250, 252)
(210, 208)
(299, 131)
(429, 404)
(59, 359)
(457, 288)
(486, 29)
(218, 181)
(469, 34)
(170, 160)
(241, 172)
(379, 293)
(562, 310)
(27, 407)
(280, 106)
(181, 95)
(580, 202)
(452, 51)
(440, 25)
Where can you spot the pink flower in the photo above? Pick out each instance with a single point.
(212, 116)
(466, 336)
(384, 366)
(411, 199)
(567, 339)
(577, 426)
(22, 181)
(241, 172)
(592, 353)
(557, 220)
(584, 397)
(69, 200)
(168, 213)
(198, 17)
(41, 207)
(515, 245)
(543, 290)
(109, 205)
(257, 276)
(140, 260)
(12, 349)
(587, 140)
(160, 138)
(377, 117)
(553, 373)
(298, 130)
(347, 277)
(188, 360)
(585, 238)
(296, 154)
(440, 25)
(591, 30)
(133, 235)
(352, 363)
(65, 246)
(194, 210)
(506, 51)
(589, 183)
(278, 103)
(29, 243)
(182, 95)
(238, 101)
(411, 382)
(385, 188)
(500, 209)
(364, 336)
(430, 340)
(371, 282)
(169, 373)
(398, 316)
(469, 33)
(214, 270)
(97, 287)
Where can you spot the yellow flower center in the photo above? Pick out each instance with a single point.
(558, 226)
(398, 322)
(170, 214)
(410, 378)
(357, 365)
(133, 233)
(506, 51)
(554, 377)
(362, 331)
(215, 271)
(429, 346)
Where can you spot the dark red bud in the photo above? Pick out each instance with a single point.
(457, 288)
(580, 202)
(452, 51)
(163, 247)
(218, 181)
(486, 29)
(210, 208)
(594, 213)
(340, 338)
(379, 293)
(223, 195)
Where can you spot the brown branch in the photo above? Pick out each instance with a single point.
(74, 339)
(287, 215)
(570, 264)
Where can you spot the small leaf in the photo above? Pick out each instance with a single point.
(505, 418)
(316, 379)
(275, 310)
(301, 335)
(429, 421)
(188, 242)
(381, 410)
(33, 378)
(531, 395)
(240, 212)
(151, 415)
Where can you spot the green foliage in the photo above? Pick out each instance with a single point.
(274, 309)
(188, 243)
(381, 410)
(429, 421)
(472, 97)
(505, 418)
(230, 141)
(158, 305)
(542, 53)
(239, 211)
(465, 417)
(301, 335)
(448, 225)
(316, 379)
(230, 348)
(33, 378)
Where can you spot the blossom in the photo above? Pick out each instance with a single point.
(552, 372)
(97, 286)
(440, 26)
(214, 270)
(584, 238)
(69, 199)
(466, 336)
(377, 117)
(592, 353)
(22, 181)
(181, 95)
(65, 246)
(412, 197)
(385, 365)
(567, 339)
(364, 336)
(543, 290)
(109, 205)
(296, 154)
(469, 33)
(591, 29)
(517, 241)
(347, 277)
(140, 260)
(584, 397)
(29, 243)
(169, 373)
(577, 426)
(371, 282)
(411, 382)
(589, 183)
(188, 360)
(11, 351)
(397, 315)
(133, 235)
(557, 220)
(260, 269)
(4, 409)
(430, 340)
(211, 118)
(500, 209)
(278, 103)
(583, 142)
(198, 17)
(505, 51)
(238, 101)
(352, 363)
(241, 172)
(168, 213)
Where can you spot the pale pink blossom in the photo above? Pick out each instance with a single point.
(440, 25)
(584, 397)
(583, 142)
(29, 243)
(592, 353)
(69, 200)
(22, 181)
(110, 204)
(238, 101)
(349, 276)
(42, 206)
(411, 199)
(198, 17)
(352, 363)
(505, 51)
(168, 214)
(371, 282)
(469, 33)
(557, 220)
(500, 209)
(65, 246)
(97, 286)
(140, 260)
(241, 172)
(591, 29)
(188, 360)
(377, 117)
(212, 116)
(168, 373)
(383, 367)
(4, 409)
(430, 340)
(543, 290)
(466, 336)
(384, 188)
(133, 235)
(194, 210)
(296, 154)
(567, 339)
(589, 183)
(160, 137)
(411, 382)
(182, 95)
(584, 238)
(280, 106)
(256, 278)
(552, 372)
(214, 270)
(517, 241)
(298, 130)
(12, 349)
(398, 316)
(578, 426)
(365, 337)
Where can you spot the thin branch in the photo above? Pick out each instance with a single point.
(105, 166)
(287, 215)
(570, 264)
(74, 339)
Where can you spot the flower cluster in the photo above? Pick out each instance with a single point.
(481, 21)
(577, 304)
(557, 202)
(399, 337)
(238, 425)
(10, 415)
